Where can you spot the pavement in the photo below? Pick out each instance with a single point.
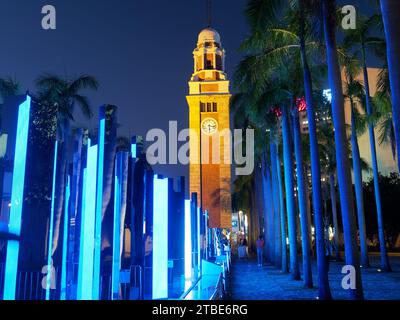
(247, 281)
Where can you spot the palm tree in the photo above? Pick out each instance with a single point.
(273, 146)
(288, 41)
(290, 200)
(282, 215)
(382, 101)
(390, 10)
(328, 161)
(383, 115)
(360, 38)
(302, 196)
(354, 92)
(250, 193)
(323, 282)
(342, 152)
(8, 87)
(288, 85)
(269, 206)
(65, 94)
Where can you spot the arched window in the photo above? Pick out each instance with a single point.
(219, 62)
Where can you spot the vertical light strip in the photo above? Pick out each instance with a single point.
(116, 261)
(99, 208)
(82, 243)
(86, 253)
(17, 196)
(51, 225)
(65, 242)
(188, 241)
(160, 239)
(199, 241)
(134, 150)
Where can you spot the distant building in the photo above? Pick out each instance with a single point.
(386, 162)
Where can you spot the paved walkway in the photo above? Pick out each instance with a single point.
(249, 282)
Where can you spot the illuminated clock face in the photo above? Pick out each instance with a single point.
(209, 126)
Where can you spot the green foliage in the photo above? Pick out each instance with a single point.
(65, 94)
(8, 87)
(390, 192)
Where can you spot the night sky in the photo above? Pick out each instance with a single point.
(140, 52)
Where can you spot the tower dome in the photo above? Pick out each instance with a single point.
(209, 35)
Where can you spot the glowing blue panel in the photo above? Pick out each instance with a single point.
(199, 241)
(51, 225)
(188, 241)
(86, 253)
(134, 150)
(65, 242)
(99, 209)
(116, 261)
(17, 196)
(160, 239)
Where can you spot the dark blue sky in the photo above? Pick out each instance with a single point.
(140, 51)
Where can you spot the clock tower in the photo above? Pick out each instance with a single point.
(210, 142)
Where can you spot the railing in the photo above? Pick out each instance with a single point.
(131, 285)
(219, 292)
(29, 285)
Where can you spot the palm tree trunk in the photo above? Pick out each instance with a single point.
(307, 272)
(359, 190)
(275, 195)
(271, 214)
(290, 201)
(390, 10)
(268, 210)
(385, 265)
(342, 152)
(308, 210)
(282, 216)
(257, 210)
(266, 233)
(334, 215)
(323, 281)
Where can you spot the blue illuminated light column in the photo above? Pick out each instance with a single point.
(199, 241)
(194, 234)
(188, 241)
(160, 238)
(17, 196)
(99, 204)
(51, 225)
(86, 252)
(63, 291)
(121, 163)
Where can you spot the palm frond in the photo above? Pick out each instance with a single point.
(8, 87)
(261, 13)
(83, 82)
(83, 102)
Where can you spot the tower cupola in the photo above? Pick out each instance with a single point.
(209, 57)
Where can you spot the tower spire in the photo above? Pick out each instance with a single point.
(209, 13)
